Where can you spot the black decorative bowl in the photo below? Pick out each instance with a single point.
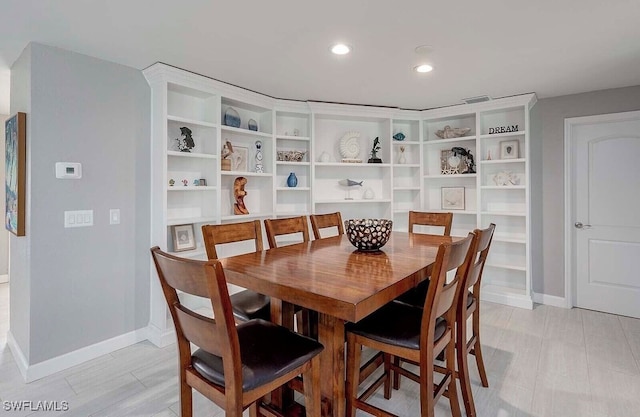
(368, 235)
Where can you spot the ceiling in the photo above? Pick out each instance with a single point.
(281, 47)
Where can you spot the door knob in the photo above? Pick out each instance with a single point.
(579, 225)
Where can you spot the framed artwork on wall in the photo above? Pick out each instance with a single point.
(15, 173)
(452, 198)
(183, 237)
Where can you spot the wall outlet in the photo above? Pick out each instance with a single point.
(114, 216)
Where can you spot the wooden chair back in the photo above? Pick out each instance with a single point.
(485, 237)
(219, 234)
(323, 221)
(280, 227)
(431, 219)
(442, 297)
(217, 336)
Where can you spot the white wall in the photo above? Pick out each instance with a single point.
(548, 126)
(80, 286)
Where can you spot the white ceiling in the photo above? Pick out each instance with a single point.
(280, 47)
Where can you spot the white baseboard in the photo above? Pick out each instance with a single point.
(18, 356)
(4, 278)
(161, 338)
(39, 370)
(550, 300)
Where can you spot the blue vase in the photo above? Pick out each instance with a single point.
(292, 181)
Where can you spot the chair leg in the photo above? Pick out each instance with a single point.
(477, 349)
(463, 365)
(452, 390)
(311, 381)
(253, 410)
(186, 398)
(353, 374)
(387, 376)
(396, 376)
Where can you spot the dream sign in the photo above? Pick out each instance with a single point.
(503, 129)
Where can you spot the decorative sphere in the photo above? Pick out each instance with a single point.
(368, 235)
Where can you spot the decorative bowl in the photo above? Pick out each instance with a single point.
(452, 132)
(291, 156)
(368, 235)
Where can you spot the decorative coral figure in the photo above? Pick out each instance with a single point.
(239, 193)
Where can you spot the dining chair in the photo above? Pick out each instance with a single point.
(416, 295)
(308, 320)
(325, 221)
(469, 306)
(232, 366)
(415, 334)
(246, 304)
(421, 218)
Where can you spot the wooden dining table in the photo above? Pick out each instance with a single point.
(342, 284)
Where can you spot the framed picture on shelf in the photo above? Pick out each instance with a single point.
(183, 237)
(15, 173)
(449, 162)
(452, 198)
(509, 149)
(239, 159)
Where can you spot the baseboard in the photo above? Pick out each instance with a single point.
(18, 356)
(39, 370)
(549, 300)
(160, 338)
(4, 278)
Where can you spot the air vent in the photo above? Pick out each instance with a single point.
(478, 99)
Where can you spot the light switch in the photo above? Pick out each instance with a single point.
(78, 218)
(114, 216)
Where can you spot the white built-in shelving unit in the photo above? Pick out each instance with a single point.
(183, 99)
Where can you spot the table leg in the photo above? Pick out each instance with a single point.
(331, 335)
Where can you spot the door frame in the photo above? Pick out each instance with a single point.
(570, 123)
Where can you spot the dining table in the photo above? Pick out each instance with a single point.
(339, 282)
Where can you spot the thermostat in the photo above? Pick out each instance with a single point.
(69, 170)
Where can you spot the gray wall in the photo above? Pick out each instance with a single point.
(87, 284)
(548, 126)
(4, 234)
(20, 287)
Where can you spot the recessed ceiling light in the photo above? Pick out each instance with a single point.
(423, 68)
(340, 49)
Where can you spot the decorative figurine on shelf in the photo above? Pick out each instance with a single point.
(252, 125)
(467, 159)
(350, 148)
(225, 156)
(239, 193)
(171, 182)
(374, 152)
(402, 159)
(185, 143)
(399, 136)
(259, 166)
(185, 182)
(452, 132)
(349, 183)
(292, 180)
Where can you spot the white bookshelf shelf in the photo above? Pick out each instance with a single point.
(191, 188)
(246, 132)
(191, 155)
(503, 161)
(444, 141)
(191, 121)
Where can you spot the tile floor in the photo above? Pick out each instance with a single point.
(544, 362)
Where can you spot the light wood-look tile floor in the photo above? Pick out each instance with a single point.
(544, 362)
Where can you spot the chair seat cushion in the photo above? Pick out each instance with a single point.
(470, 299)
(248, 305)
(396, 324)
(415, 296)
(267, 351)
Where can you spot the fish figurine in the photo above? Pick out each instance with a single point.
(350, 183)
(399, 136)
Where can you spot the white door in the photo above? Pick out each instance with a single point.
(606, 190)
